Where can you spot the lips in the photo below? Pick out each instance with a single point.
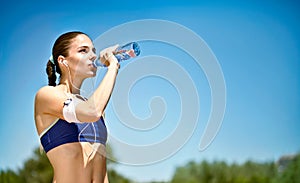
(92, 66)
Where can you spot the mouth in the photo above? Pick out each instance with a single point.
(92, 66)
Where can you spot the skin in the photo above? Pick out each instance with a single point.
(77, 162)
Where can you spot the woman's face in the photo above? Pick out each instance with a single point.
(82, 53)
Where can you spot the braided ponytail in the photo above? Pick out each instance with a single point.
(60, 47)
(51, 73)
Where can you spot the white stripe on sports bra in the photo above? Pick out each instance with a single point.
(48, 128)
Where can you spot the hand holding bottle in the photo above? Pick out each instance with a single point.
(107, 56)
(121, 53)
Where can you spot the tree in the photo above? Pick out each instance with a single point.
(291, 173)
(114, 177)
(38, 169)
(9, 176)
(220, 172)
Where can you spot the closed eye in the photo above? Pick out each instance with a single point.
(83, 50)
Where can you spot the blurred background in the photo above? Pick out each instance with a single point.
(256, 43)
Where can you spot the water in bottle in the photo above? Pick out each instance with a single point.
(125, 52)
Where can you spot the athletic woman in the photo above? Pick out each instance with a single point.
(71, 127)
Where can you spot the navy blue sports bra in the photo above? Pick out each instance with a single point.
(62, 132)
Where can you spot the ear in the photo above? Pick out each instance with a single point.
(60, 59)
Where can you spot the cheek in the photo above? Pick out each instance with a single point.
(84, 57)
(80, 68)
(83, 68)
(81, 63)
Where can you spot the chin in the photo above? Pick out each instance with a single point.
(92, 74)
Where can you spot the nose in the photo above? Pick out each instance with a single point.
(93, 56)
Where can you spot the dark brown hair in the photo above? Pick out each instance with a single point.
(60, 47)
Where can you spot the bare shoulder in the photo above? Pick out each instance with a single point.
(49, 97)
(46, 93)
(48, 106)
(44, 90)
(50, 100)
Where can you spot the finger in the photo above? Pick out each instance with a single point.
(107, 55)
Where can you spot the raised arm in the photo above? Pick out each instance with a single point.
(92, 109)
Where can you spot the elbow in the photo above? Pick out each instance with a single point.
(89, 114)
(97, 116)
(94, 116)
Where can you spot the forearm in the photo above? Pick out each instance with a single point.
(94, 107)
(102, 94)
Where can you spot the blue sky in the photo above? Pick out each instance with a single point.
(256, 43)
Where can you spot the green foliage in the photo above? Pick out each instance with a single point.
(114, 177)
(291, 173)
(38, 170)
(9, 176)
(248, 172)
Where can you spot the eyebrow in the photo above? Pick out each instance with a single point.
(93, 49)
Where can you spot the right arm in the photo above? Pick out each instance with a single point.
(92, 109)
(49, 101)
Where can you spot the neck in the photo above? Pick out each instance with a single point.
(73, 85)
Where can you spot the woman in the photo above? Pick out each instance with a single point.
(71, 128)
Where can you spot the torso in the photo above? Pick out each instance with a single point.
(62, 132)
(72, 161)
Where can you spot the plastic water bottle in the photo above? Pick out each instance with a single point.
(125, 52)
